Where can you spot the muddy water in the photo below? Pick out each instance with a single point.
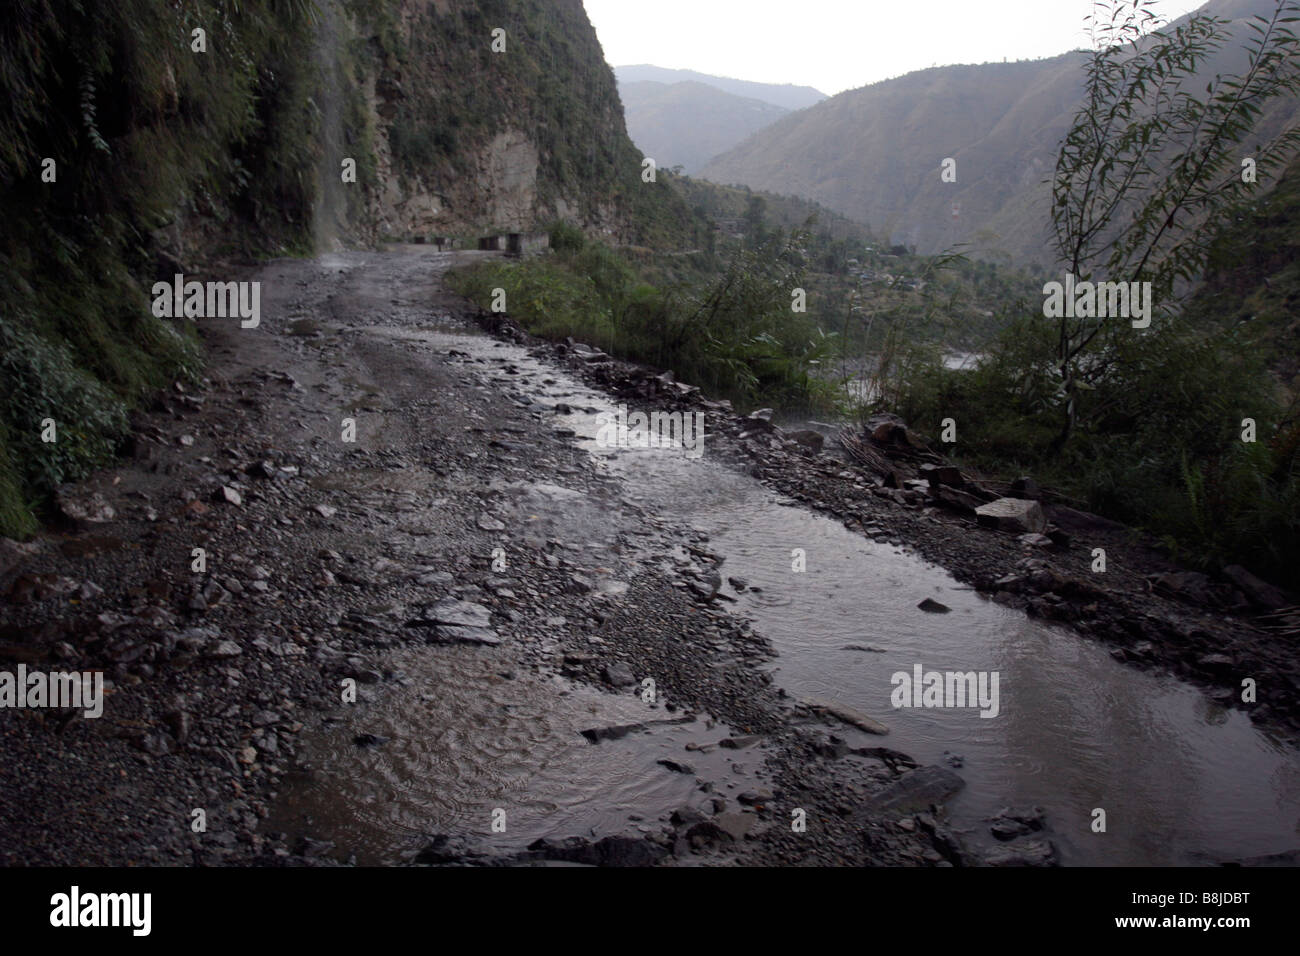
(1181, 779)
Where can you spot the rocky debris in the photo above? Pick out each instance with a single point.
(82, 507)
(847, 715)
(1036, 851)
(687, 816)
(938, 476)
(444, 848)
(1011, 823)
(618, 731)
(1017, 515)
(1190, 586)
(957, 499)
(918, 789)
(619, 851)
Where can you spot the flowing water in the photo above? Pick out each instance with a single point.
(1181, 779)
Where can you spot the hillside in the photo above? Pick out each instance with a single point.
(785, 95)
(686, 124)
(875, 153)
(1253, 282)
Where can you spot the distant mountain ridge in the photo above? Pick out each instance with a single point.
(785, 95)
(875, 153)
(688, 123)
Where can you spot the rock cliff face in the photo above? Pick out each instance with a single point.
(471, 130)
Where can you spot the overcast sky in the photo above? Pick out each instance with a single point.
(837, 45)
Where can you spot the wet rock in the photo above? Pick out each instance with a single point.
(931, 606)
(676, 767)
(609, 851)
(457, 621)
(918, 790)
(1012, 514)
(618, 674)
(687, 816)
(739, 743)
(706, 586)
(443, 848)
(369, 740)
(1011, 823)
(847, 714)
(1031, 852)
(618, 731)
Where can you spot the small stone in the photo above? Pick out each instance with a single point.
(228, 495)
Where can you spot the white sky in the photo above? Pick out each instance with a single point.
(837, 45)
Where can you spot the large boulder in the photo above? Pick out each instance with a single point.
(918, 790)
(1017, 515)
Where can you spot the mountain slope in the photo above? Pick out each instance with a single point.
(785, 95)
(687, 124)
(875, 153)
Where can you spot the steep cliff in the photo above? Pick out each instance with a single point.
(499, 114)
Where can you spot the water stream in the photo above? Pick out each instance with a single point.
(1181, 779)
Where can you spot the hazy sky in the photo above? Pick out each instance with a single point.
(836, 45)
